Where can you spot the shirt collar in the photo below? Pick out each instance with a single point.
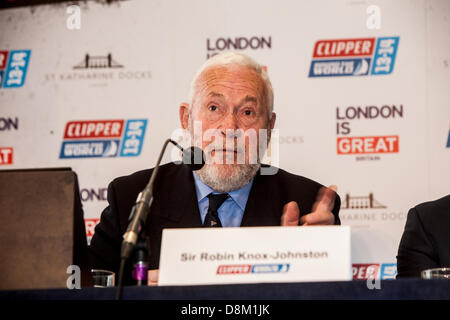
(239, 196)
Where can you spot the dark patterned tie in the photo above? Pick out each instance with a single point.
(212, 217)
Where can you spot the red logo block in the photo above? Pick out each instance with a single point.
(6, 155)
(234, 269)
(365, 271)
(93, 129)
(365, 145)
(344, 48)
(3, 58)
(90, 226)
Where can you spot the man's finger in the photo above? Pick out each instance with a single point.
(152, 277)
(291, 214)
(317, 218)
(333, 187)
(325, 200)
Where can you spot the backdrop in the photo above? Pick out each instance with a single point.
(361, 95)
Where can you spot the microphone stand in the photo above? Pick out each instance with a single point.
(140, 268)
(138, 218)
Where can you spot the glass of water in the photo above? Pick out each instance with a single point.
(437, 273)
(103, 278)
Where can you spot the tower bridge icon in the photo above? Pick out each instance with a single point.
(361, 202)
(98, 62)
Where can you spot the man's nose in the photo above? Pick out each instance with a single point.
(229, 122)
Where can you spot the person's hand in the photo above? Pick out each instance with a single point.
(152, 277)
(321, 211)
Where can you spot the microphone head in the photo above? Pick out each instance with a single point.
(194, 157)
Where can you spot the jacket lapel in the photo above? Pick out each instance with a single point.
(182, 202)
(180, 205)
(261, 209)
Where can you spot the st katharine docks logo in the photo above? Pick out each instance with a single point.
(95, 62)
(98, 70)
(218, 45)
(361, 202)
(366, 207)
(366, 147)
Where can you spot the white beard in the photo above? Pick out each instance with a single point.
(213, 175)
(239, 176)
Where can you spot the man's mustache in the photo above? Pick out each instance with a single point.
(231, 148)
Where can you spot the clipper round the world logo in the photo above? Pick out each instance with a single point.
(13, 68)
(103, 138)
(354, 57)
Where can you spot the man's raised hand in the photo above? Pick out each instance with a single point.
(321, 211)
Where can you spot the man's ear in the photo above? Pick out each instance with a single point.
(272, 120)
(184, 115)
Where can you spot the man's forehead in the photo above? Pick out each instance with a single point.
(215, 94)
(247, 98)
(235, 77)
(230, 73)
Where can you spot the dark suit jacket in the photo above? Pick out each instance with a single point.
(175, 205)
(425, 243)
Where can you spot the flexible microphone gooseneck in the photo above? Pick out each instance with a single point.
(195, 159)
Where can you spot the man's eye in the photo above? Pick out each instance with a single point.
(248, 112)
(213, 108)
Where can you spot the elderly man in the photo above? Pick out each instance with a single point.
(230, 95)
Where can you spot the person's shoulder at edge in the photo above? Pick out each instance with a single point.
(419, 245)
(437, 207)
(433, 216)
(431, 213)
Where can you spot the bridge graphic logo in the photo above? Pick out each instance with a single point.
(98, 62)
(361, 202)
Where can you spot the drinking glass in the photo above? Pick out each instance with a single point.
(103, 278)
(436, 273)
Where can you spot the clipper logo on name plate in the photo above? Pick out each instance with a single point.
(253, 268)
(382, 271)
(13, 68)
(354, 57)
(103, 138)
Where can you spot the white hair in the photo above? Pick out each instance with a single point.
(231, 58)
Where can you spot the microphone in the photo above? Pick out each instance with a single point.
(194, 158)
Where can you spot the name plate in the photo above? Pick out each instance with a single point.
(255, 254)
